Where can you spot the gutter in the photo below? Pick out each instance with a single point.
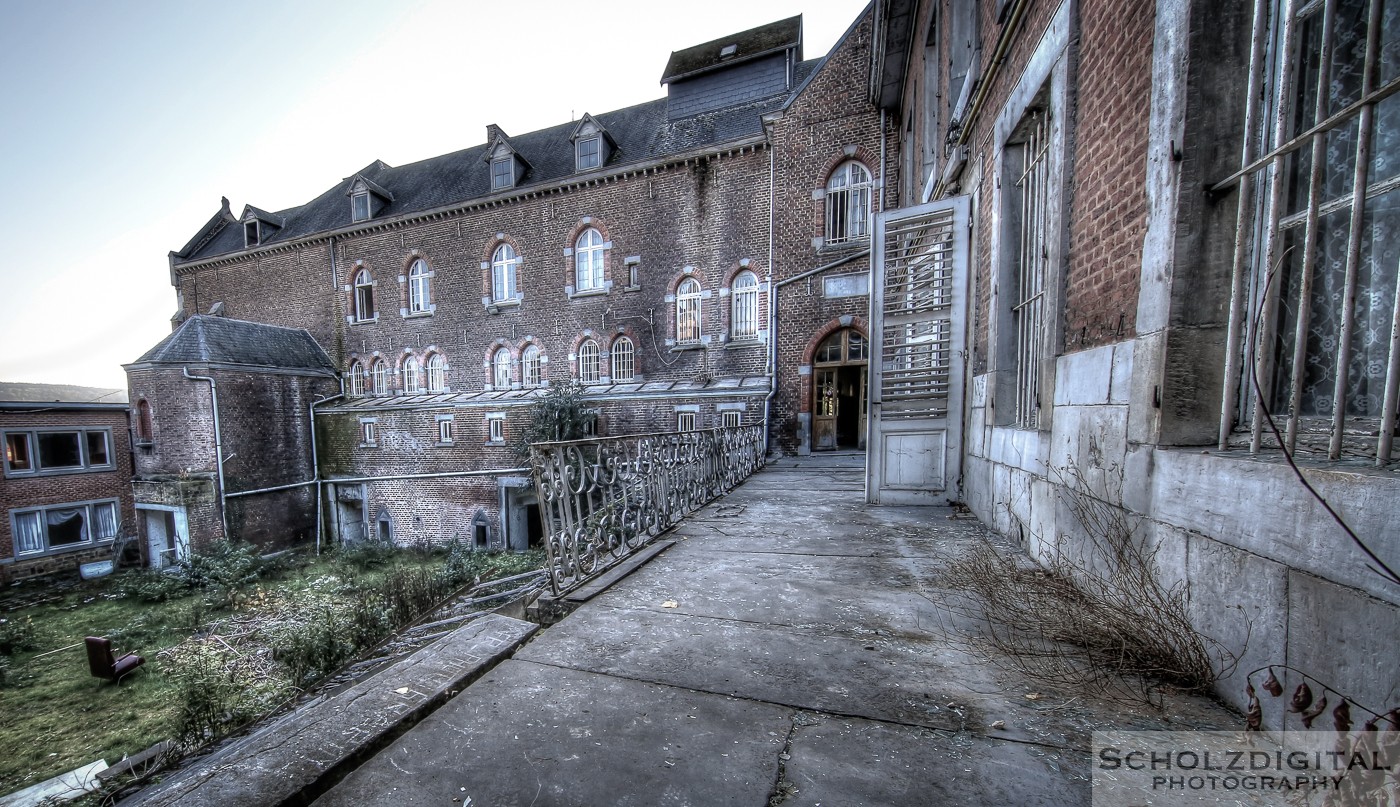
(218, 445)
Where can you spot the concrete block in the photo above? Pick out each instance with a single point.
(1083, 378)
(1144, 391)
(1345, 638)
(1120, 383)
(979, 390)
(1026, 449)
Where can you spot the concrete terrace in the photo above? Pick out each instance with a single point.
(788, 649)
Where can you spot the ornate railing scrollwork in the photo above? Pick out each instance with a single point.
(603, 498)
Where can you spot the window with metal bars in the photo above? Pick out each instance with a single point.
(1313, 298)
(1025, 207)
(688, 296)
(744, 306)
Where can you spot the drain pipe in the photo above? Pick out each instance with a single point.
(315, 459)
(772, 309)
(218, 445)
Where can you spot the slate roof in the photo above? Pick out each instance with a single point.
(640, 133)
(24, 392)
(750, 44)
(206, 340)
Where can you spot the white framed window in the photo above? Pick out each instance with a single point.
(369, 432)
(57, 451)
(357, 379)
(685, 421)
(531, 368)
(364, 296)
(500, 369)
(496, 429)
(359, 206)
(743, 322)
(379, 377)
(624, 359)
(848, 204)
(731, 418)
(688, 296)
(588, 152)
(444, 427)
(64, 526)
(419, 288)
(588, 370)
(588, 261)
(412, 382)
(502, 173)
(503, 263)
(437, 373)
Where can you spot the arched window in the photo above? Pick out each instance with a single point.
(357, 379)
(500, 369)
(503, 274)
(848, 204)
(143, 421)
(379, 377)
(364, 296)
(588, 261)
(743, 322)
(437, 373)
(624, 359)
(531, 368)
(412, 382)
(588, 362)
(419, 294)
(688, 311)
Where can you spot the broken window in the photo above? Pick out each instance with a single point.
(419, 291)
(688, 296)
(60, 450)
(364, 296)
(17, 453)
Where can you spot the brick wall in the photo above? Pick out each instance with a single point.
(18, 492)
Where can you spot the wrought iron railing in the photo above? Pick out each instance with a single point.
(601, 499)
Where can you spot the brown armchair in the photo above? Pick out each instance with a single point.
(103, 665)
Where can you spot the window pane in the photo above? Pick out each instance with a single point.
(105, 520)
(361, 202)
(59, 450)
(67, 527)
(17, 452)
(97, 448)
(29, 533)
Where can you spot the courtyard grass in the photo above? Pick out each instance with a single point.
(217, 654)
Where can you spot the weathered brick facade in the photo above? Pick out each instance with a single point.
(29, 491)
(725, 186)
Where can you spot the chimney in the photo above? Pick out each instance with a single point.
(492, 132)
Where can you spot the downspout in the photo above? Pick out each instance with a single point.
(772, 309)
(315, 459)
(218, 445)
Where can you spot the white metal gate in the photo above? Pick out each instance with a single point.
(918, 305)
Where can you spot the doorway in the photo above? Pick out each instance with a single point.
(838, 392)
(167, 535)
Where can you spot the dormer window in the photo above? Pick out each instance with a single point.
(251, 233)
(502, 173)
(359, 206)
(589, 152)
(367, 197)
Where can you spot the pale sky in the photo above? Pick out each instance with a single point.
(122, 123)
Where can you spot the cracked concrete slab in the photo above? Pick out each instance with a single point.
(533, 734)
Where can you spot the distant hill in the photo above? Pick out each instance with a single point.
(24, 392)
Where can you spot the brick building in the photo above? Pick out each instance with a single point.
(695, 261)
(1163, 209)
(66, 489)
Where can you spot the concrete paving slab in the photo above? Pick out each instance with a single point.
(529, 734)
(857, 763)
(291, 759)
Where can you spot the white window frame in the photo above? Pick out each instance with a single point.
(445, 429)
(360, 206)
(589, 369)
(503, 267)
(379, 377)
(495, 429)
(623, 357)
(36, 465)
(685, 421)
(531, 366)
(419, 288)
(731, 418)
(848, 209)
(411, 379)
(502, 180)
(589, 261)
(364, 296)
(597, 152)
(500, 369)
(357, 379)
(369, 432)
(689, 311)
(743, 318)
(437, 373)
(91, 523)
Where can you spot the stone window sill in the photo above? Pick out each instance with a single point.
(371, 321)
(418, 315)
(588, 293)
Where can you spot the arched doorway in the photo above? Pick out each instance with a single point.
(838, 391)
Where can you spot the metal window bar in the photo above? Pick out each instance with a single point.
(1029, 308)
(916, 340)
(1263, 239)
